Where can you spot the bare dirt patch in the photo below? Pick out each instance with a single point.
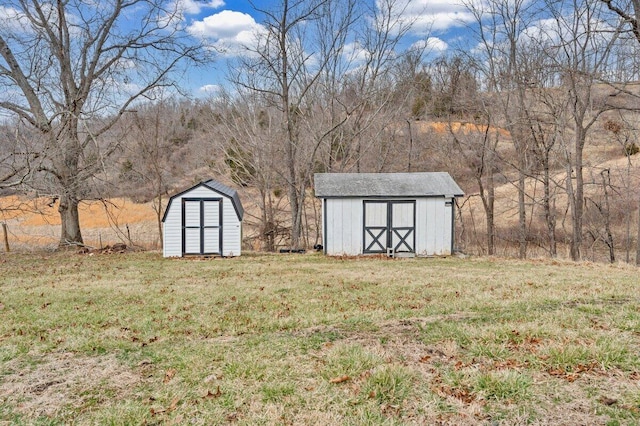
(66, 380)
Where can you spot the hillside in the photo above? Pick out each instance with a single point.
(34, 222)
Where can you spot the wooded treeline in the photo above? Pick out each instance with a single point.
(534, 113)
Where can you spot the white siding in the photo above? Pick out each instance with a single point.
(433, 227)
(343, 233)
(231, 230)
(344, 227)
(231, 226)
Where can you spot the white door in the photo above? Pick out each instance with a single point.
(389, 225)
(376, 229)
(201, 226)
(402, 226)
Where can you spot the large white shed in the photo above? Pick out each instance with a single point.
(205, 219)
(410, 214)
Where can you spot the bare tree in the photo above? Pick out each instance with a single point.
(252, 156)
(305, 66)
(471, 127)
(70, 70)
(284, 66)
(498, 30)
(15, 157)
(149, 159)
(629, 11)
(583, 45)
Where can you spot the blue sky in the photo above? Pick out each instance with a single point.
(228, 23)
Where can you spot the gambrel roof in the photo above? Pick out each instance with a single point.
(380, 185)
(217, 187)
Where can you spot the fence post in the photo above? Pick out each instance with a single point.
(6, 237)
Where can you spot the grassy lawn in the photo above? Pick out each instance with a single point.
(305, 339)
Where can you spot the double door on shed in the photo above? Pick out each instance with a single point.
(389, 226)
(202, 226)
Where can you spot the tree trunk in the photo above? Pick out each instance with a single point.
(607, 215)
(638, 237)
(70, 220)
(66, 163)
(577, 206)
(159, 219)
(488, 201)
(549, 215)
(297, 204)
(522, 214)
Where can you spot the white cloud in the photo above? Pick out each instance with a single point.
(13, 20)
(431, 45)
(431, 15)
(210, 89)
(354, 53)
(8, 13)
(224, 25)
(229, 32)
(178, 10)
(194, 7)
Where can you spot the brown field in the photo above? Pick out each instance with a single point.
(34, 223)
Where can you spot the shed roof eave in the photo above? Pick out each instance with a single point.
(225, 191)
(395, 197)
(397, 185)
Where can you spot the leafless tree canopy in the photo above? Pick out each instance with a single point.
(70, 70)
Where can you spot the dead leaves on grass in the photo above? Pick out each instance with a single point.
(168, 375)
(176, 401)
(170, 408)
(213, 395)
(575, 373)
(340, 379)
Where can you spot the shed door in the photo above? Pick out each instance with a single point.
(389, 225)
(201, 226)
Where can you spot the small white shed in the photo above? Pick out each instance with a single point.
(205, 219)
(409, 214)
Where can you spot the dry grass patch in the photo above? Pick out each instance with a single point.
(60, 383)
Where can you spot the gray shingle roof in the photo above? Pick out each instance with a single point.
(218, 187)
(229, 192)
(425, 184)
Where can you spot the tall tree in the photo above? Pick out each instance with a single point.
(583, 43)
(499, 25)
(629, 12)
(71, 69)
(248, 139)
(152, 154)
(301, 65)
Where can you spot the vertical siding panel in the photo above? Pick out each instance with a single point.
(172, 231)
(336, 218)
(440, 210)
(448, 227)
(357, 225)
(231, 230)
(344, 226)
(421, 227)
(331, 241)
(431, 227)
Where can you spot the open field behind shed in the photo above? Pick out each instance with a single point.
(305, 339)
